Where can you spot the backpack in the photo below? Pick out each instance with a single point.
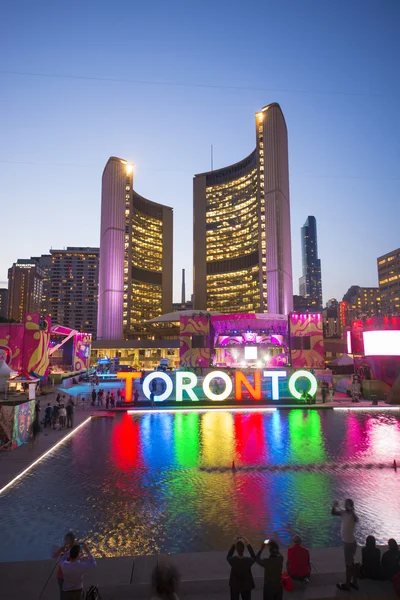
(93, 593)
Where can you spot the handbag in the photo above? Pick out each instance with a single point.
(93, 593)
(287, 582)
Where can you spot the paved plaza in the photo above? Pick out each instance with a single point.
(204, 575)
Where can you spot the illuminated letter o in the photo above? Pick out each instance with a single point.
(228, 386)
(293, 380)
(157, 375)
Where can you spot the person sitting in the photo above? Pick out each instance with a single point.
(391, 560)
(298, 561)
(371, 559)
(273, 589)
(304, 397)
(165, 581)
(241, 580)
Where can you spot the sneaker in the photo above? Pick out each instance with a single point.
(306, 580)
(354, 586)
(344, 587)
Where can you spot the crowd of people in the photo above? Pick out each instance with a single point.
(372, 566)
(60, 415)
(99, 396)
(76, 559)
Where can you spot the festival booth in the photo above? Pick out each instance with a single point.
(252, 341)
(69, 350)
(242, 357)
(375, 345)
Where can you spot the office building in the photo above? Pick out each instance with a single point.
(135, 282)
(25, 289)
(389, 282)
(3, 302)
(302, 304)
(361, 302)
(44, 261)
(74, 283)
(242, 245)
(310, 285)
(331, 319)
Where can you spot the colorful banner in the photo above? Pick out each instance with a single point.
(16, 424)
(24, 346)
(82, 346)
(195, 341)
(11, 345)
(306, 341)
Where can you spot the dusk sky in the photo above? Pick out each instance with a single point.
(157, 83)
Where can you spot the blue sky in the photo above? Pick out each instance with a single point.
(333, 67)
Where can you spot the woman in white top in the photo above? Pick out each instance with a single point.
(62, 415)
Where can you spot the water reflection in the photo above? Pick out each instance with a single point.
(306, 443)
(217, 438)
(163, 482)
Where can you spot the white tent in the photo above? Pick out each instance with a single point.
(343, 361)
(5, 372)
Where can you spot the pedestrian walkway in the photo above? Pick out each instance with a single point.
(203, 575)
(14, 462)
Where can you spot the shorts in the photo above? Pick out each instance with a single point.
(350, 550)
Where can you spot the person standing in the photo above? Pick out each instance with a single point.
(70, 413)
(69, 541)
(241, 580)
(73, 569)
(331, 392)
(152, 399)
(108, 400)
(273, 589)
(37, 415)
(62, 415)
(349, 521)
(323, 391)
(135, 397)
(55, 415)
(93, 397)
(112, 399)
(48, 414)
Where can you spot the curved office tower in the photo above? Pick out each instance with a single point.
(135, 278)
(242, 245)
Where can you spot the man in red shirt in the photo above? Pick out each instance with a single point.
(298, 561)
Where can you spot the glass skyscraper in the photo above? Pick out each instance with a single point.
(310, 283)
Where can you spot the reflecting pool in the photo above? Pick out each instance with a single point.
(139, 484)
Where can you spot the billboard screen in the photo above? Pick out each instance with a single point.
(382, 343)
